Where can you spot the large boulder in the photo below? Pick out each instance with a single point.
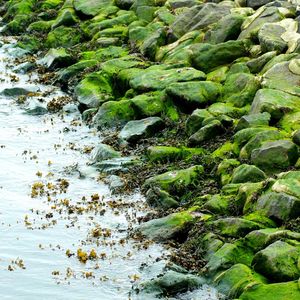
(207, 56)
(247, 173)
(253, 120)
(91, 8)
(278, 262)
(57, 58)
(275, 155)
(193, 94)
(279, 206)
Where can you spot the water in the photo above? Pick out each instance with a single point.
(49, 210)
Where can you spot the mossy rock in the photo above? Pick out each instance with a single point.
(247, 173)
(160, 199)
(193, 94)
(168, 227)
(195, 120)
(91, 8)
(40, 26)
(275, 291)
(176, 182)
(237, 279)
(62, 36)
(207, 57)
(225, 169)
(240, 89)
(66, 17)
(227, 109)
(253, 120)
(94, 90)
(278, 262)
(114, 113)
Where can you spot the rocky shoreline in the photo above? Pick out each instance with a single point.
(199, 103)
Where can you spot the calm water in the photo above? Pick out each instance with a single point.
(48, 211)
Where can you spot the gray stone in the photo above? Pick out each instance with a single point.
(254, 120)
(19, 91)
(56, 58)
(103, 152)
(247, 173)
(139, 129)
(255, 65)
(194, 121)
(161, 199)
(114, 165)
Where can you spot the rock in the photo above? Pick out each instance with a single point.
(194, 121)
(199, 17)
(193, 94)
(170, 283)
(72, 71)
(255, 65)
(234, 227)
(237, 279)
(279, 206)
(56, 58)
(288, 182)
(256, 3)
(240, 89)
(225, 169)
(167, 228)
(176, 182)
(207, 132)
(35, 108)
(115, 183)
(247, 173)
(296, 137)
(94, 90)
(169, 154)
(280, 77)
(206, 56)
(159, 79)
(227, 109)
(227, 256)
(133, 131)
(270, 39)
(275, 291)
(160, 199)
(260, 239)
(218, 204)
(114, 113)
(66, 17)
(218, 75)
(228, 28)
(24, 67)
(278, 262)
(115, 165)
(103, 152)
(91, 8)
(253, 120)
(275, 102)
(275, 155)
(19, 91)
(64, 37)
(149, 104)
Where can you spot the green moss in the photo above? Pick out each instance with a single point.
(65, 37)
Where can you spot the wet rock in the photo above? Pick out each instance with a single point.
(94, 90)
(157, 79)
(115, 165)
(240, 89)
(103, 152)
(206, 56)
(253, 120)
(160, 199)
(140, 129)
(178, 181)
(64, 37)
(115, 183)
(170, 283)
(167, 228)
(247, 173)
(279, 206)
(255, 65)
(228, 28)
(275, 155)
(277, 291)
(199, 17)
(19, 91)
(190, 95)
(35, 108)
(114, 113)
(234, 227)
(168, 154)
(278, 262)
(270, 38)
(24, 67)
(235, 280)
(56, 58)
(91, 8)
(218, 204)
(296, 137)
(275, 102)
(66, 17)
(207, 132)
(194, 121)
